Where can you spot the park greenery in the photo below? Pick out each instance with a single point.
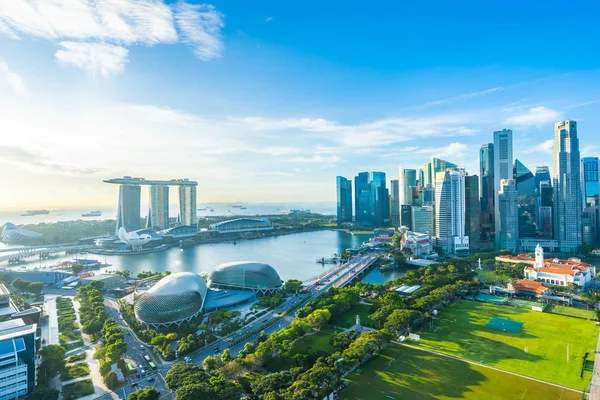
(53, 363)
(68, 231)
(78, 389)
(70, 334)
(27, 287)
(147, 393)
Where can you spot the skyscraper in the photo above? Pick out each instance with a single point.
(472, 211)
(542, 174)
(128, 212)
(527, 202)
(158, 213)
(187, 206)
(439, 165)
(407, 180)
(395, 202)
(486, 191)
(365, 208)
(503, 169)
(567, 186)
(406, 216)
(427, 178)
(344, 199)
(380, 203)
(450, 211)
(589, 184)
(422, 219)
(360, 181)
(508, 219)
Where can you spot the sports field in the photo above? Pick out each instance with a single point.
(417, 375)
(538, 350)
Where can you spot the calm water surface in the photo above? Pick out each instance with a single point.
(293, 256)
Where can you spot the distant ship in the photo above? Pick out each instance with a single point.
(211, 209)
(29, 213)
(242, 208)
(202, 209)
(92, 214)
(238, 206)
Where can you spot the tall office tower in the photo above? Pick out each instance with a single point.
(344, 199)
(360, 182)
(545, 222)
(407, 180)
(128, 212)
(450, 211)
(380, 202)
(406, 216)
(18, 359)
(420, 177)
(395, 202)
(439, 165)
(542, 174)
(503, 169)
(589, 226)
(422, 219)
(486, 191)
(567, 186)
(187, 206)
(364, 210)
(527, 202)
(158, 214)
(589, 181)
(428, 196)
(472, 211)
(508, 218)
(427, 178)
(416, 193)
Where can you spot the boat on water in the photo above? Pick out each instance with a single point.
(29, 213)
(234, 206)
(211, 209)
(92, 214)
(202, 209)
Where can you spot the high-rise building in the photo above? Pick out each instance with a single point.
(128, 212)
(428, 195)
(508, 218)
(18, 359)
(360, 182)
(406, 216)
(439, 165)
(381, 204)
(422, 219)
(527, 202)
(420, 177)
(373, 200)
(427, 178)
(450, 211)
(395, 202)
(589, 226)
(187, 206)
(589, 181)
(567, 186)
(545, 222)
(407, 180)
(158, 213)
(503, 169)
(486, 191)
(365, 215)
(542, 174)
(472, 211)
(344, 199)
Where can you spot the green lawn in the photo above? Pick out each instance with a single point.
(490, 276)
(348, 319)
(417, 375)
(539, 350)
(572, 311)
(76, 390)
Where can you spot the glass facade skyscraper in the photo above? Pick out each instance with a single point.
(360, 182)
(158, 214)
(589, 184)
(344, 199)
(486, 191)
(527, 202)
(450, 211)
(395, 202)
(407, 180)
(187, 206)
(503, 169)
(128, 212)
(508, 221)
(472, 211)
(567, 186)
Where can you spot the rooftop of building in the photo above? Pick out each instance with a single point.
(4, 290)
(128, 180)
(14, 328)
(524, 285)
(554, 263)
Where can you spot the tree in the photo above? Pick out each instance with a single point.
(76, 268)
(184, 374)
(111, 380)
(93, 328)
(226, 355)
(270, 383)
(292, 285)
(35, 288)
(147, 393)
(399, 320)
(210, 364)
(43, 393)
(53, 361)
(318, 318)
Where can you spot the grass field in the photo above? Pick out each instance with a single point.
(572, 311)
(348, 319)
(417, 375)
(539, 350)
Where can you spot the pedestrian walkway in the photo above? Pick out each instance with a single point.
(595, 386)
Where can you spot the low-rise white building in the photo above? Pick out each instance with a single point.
(420, 244)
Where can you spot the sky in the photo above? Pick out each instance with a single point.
(267, 101)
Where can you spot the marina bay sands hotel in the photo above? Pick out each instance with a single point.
(128, 214)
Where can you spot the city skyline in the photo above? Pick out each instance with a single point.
(276, 88)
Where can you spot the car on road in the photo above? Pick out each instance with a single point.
(187, 359)
(142, 346)
(150, 379)
(216, 349)
(134, 384)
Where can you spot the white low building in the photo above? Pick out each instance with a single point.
(420, 244)
(554, 271)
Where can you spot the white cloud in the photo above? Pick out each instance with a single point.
(465, 96)
(269, 19)
(96, 58)
(317, 158)
(454, 150)
(545, 147)
(536, 116)
(116, 23)
(15, 81)
(201, 27)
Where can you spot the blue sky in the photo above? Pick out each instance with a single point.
(269, 100)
